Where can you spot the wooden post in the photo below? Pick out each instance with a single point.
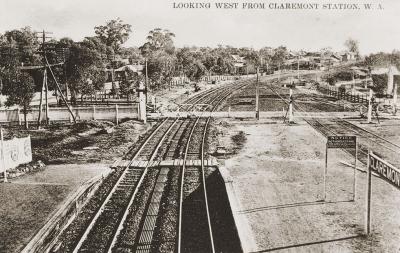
(70, 117)
(116, 114)
(354, 173)
(94, 112)
(367, 227)
(146, 75)
(298, 68)
(153, 101)
(47, 98)
(291, 106)
(325, 170)
(369, 106)
(395, 99)
(257, 99)
(390, 80)
(59, 89)
(279, 72)
(41, 101)
(3, 156)
(19, 118)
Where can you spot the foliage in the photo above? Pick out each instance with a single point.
(160, 68)
(113, 34)
(352, 46)
(20, 89)
(379, 84)
(130, 82)
(383, 60)
(344, 75)
(84, 70)
(159, 51)
(17, 48)
(158, 39)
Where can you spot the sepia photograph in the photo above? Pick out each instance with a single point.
(199, 126)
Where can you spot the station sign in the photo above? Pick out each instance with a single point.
(341, 142)
(390, 173)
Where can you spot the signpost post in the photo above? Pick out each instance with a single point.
(341, 142)
(388, 172)
(2, 155)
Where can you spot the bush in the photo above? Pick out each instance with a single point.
(339, 76)
(379, 84)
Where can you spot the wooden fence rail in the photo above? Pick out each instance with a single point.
(110, 113)
(354, 98)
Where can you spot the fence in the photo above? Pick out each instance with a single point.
(179, 80)
(110, 113)
(182, 80)
(217, 78)
(358, 97)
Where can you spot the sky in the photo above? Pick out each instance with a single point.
(376, 30)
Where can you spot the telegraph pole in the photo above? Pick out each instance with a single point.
(257, 99)
(113, 75)
(44, 85)
(279, 72)
(298, 67)
(369, 115)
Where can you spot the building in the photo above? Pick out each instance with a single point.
(348, 56)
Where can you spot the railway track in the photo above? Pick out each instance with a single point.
(161, 219)
(106, 224)
(132, 207)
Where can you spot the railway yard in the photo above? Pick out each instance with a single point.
(232, 184)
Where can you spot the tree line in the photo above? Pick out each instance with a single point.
(84, 66)
(87, 63)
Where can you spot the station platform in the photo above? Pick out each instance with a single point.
(275, 187)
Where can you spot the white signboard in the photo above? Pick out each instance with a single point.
(16, 151)
(390, 173)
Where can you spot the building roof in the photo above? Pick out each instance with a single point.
(238, 58)
(134, 68)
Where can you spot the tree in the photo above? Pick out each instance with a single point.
(130, 82)
(192, 62)
(160, 68)
(85, 70)
(159, 39)
(17, 47)
(352, 46)
(225, 62)
(383, 59)
(133, 54)
(159, 52)
(279, 56)
(20, 90)
(266, 54)
(114, 33)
